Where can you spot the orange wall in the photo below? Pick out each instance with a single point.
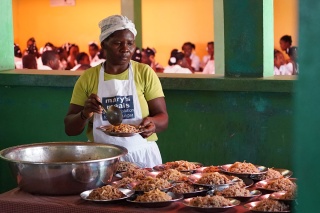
(77, 24)
(166, 24)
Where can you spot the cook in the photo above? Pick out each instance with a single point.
(116, 80)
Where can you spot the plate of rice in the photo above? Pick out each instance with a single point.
(285, 196)
(124, 166)
(272, 173)
(277, 184)
(135, 173)
(155, 198)
(171, 175)
(237, 192)
(210, 203)
(150, 183)
(208, 169)
(267, 205)
(188, 189)
(243, 169)
(214, 180)
(106, 194)
(123, 130)
(180, 165)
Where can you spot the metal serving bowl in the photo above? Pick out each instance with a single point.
(62, 168)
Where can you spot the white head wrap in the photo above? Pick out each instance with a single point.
(113, 23)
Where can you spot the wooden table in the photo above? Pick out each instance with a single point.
(17, 200)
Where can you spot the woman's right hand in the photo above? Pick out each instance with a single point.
(91, 105)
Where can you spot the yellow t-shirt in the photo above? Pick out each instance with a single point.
(146, 80)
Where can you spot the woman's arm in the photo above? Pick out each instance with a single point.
(158, 117)
(77, 116)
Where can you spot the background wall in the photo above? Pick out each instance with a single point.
(165, 24)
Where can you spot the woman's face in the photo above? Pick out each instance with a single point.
(119, 47)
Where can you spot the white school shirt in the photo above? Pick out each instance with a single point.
(209, 68)
(176, 69)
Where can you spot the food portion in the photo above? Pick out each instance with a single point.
(271, 174)
(234, 191)
(238, 181)
(210, 169)
(150, 183)
(153, 196)
(125, 165)
(135, 173)
(214, 178)
(123, 128)
(291, 194)
(180, 165)
(269, 205)
(106, 193)
(210, 201)
(182, 188)
(123, 183)
(172, 174)
(243, 167)
(281, 184)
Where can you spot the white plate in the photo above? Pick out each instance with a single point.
(127, 192)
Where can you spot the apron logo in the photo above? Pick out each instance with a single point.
(125, 103)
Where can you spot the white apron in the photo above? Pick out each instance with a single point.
(123, 94)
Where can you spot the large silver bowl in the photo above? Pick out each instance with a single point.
(62, 168)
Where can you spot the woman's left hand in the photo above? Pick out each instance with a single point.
(148, 127)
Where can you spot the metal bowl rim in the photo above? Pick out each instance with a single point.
(5, 151)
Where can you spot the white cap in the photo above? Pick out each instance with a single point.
(114, 23)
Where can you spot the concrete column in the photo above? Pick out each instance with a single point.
(132, 9)
(6, 35)
(244, 37)
(307, 115)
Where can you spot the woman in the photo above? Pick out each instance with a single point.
(120, 81)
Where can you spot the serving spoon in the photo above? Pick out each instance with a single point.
(113, 114)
